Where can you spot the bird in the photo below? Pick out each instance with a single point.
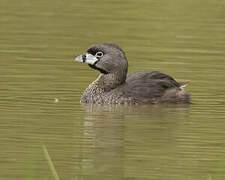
(114, 86)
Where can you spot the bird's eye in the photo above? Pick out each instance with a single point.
(99, 54)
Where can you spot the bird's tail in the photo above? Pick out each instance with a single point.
(183, 84)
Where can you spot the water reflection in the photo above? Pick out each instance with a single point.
(105, 131)
(118, 110)
(110, 132)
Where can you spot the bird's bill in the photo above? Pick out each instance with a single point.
(87, 58)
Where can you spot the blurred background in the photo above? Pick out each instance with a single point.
(41, 85)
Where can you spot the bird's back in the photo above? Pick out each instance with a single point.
(153, 87)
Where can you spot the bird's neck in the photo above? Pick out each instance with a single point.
(108, 82)
(98, 89)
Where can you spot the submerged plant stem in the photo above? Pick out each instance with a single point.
(50, 163)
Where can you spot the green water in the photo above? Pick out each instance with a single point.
(38, 43)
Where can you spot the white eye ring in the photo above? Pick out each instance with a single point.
(99, 54)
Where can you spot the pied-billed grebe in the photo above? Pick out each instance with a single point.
(114, 86)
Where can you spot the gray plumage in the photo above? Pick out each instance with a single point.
(114, 86)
